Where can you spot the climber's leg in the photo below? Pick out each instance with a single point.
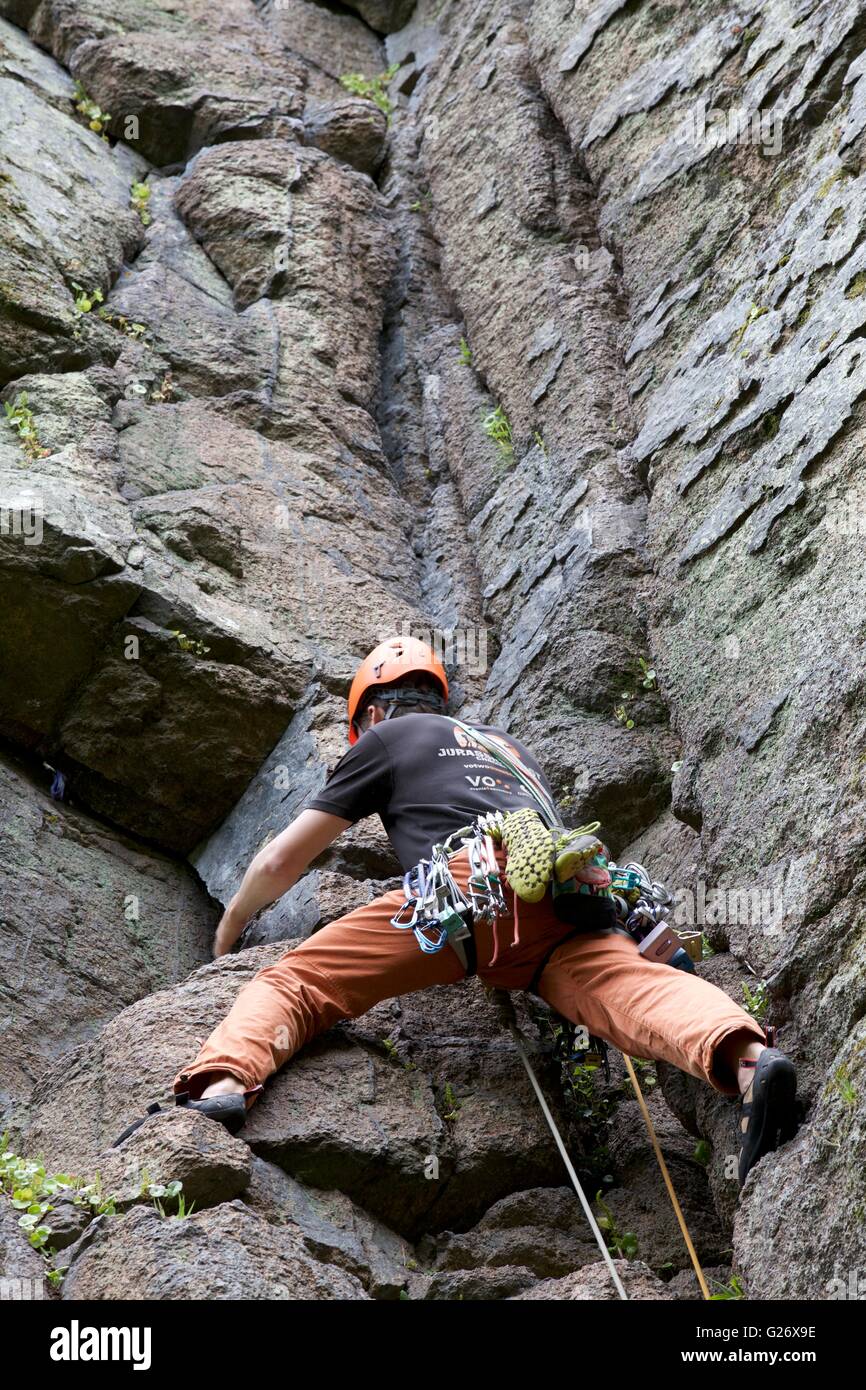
(649, 1010)
(339, 972)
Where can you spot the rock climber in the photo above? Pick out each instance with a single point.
(426, 778)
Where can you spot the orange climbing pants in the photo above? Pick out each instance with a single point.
(597, 979)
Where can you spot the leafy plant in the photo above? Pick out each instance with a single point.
(621, 714)
(391, 1050)
(30, 1191)
(843, 1085)
(162, 1193)
(139, 197)
(541, 444)
(496, 426)
(96, 118)
(189, 644)
(373, 88)
(465, 353)
(451, 1102)
(756, 1000)
(19, 417)
(648, 675)
(734, 1289)
(85, 299)
(645, 1073)
(122, 323)
(703, 1152)
(624, 1245)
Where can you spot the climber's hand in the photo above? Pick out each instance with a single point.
(227, 933)
(275, 869)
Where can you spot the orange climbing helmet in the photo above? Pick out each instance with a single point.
(391, 661)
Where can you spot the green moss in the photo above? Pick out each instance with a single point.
(769, 425)
(831, 179)
(857, 286)
(756, 311)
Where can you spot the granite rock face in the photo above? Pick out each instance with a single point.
(550, 342)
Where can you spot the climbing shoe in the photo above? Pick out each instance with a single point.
(575, 850)
(529, 854)
(772, 1110)
(229, 1110)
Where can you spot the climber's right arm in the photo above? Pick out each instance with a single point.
(275, 869)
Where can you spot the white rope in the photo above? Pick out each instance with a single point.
(618, 1285)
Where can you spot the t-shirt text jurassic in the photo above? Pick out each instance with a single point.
(426, 779)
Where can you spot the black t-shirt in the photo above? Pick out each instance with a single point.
(420, 773)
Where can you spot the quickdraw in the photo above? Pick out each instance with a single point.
(435, 907)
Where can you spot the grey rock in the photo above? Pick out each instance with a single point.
(223, 1254)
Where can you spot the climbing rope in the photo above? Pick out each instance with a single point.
(509, 1019)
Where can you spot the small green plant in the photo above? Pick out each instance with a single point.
(541, 444)
(162, 1193)
(451, 1101)
(496, 426)
(648, 675)
(465, 353)
(390, 1050)
(624, 1245)
(30, 1190)
(645, 1073)
(706, 948)
(734, 1289)
(96, 118)
(842, 1084)
(188, 644)
(19, 417)
(123, 325)
(756, 1000)
(622, 716)
(373, 88)
(703, 1152)
(139, 197)
(85, 299)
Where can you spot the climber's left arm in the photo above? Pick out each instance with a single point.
(276, 869)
